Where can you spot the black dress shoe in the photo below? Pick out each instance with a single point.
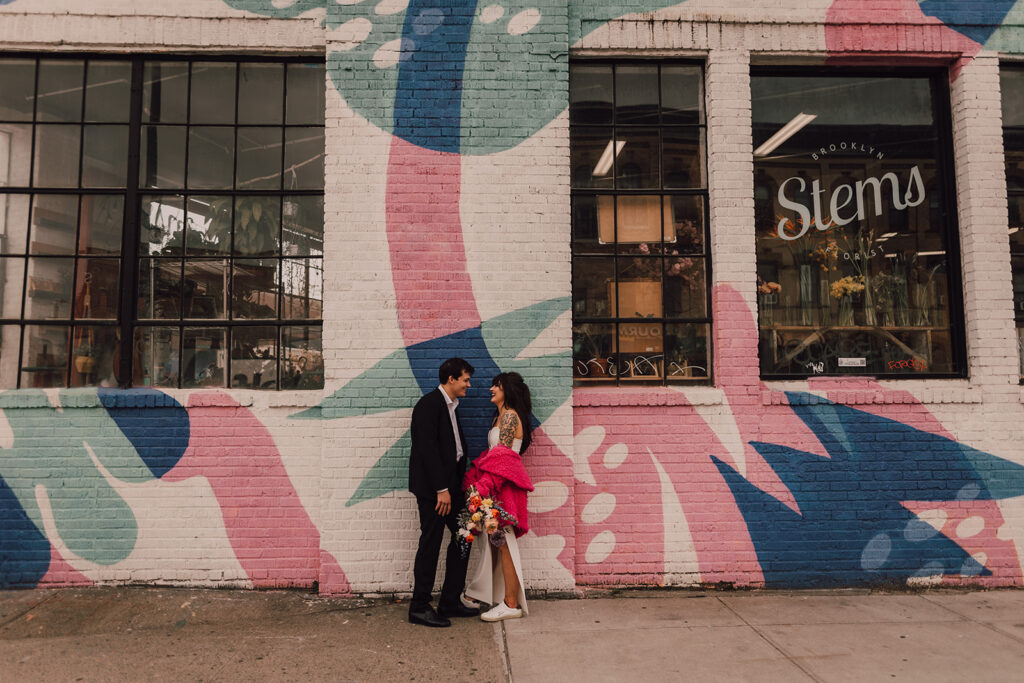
(428, 617)
(459, 610)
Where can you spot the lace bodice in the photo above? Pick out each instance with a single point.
(492, 440)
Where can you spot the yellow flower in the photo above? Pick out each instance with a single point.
(488, 502)
(477, 516)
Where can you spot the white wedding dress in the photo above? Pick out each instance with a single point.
(487, 585)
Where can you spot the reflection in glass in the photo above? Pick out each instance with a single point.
(56, 156)
(306, 87)
(162, 157)
(12, 278)
(100, 226)
(54, 217)
(44, 361)
(684, 216)
(17, 92)
(1011, 82)
(254, 358)
(303, 230)
(204, 357)
(257, 225)
(593, 287)
(96, 290)
(105, 156)
(638, 161)
(49, 288)
(108, 91)
(209, 225)
(159, 289)
(15, 155)
(165, 92)
(685, 287)
(13, 223)
(590, 94)
(59, 93)
(304, 159)
(259, 159)
(93, 352)
(302, 282)
(204, 287)
(254, 289)
(593, 348)
(682, 95)
(684, 158)
(592, 157)
(636, 94)
(302, 358)
(213, 92)
(161, 225)
(586, 237)
(686, 351)
(260, 93)
(157, 362)
(10, 348)
(211, 157)
(639, 287)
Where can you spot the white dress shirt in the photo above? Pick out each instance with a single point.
(453, 403)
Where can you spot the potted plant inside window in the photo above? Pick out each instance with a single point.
(591, 352)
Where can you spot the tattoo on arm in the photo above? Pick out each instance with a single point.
(509, 424)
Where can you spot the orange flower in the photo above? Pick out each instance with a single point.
(470, 538)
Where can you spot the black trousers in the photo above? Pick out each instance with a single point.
(425, 568)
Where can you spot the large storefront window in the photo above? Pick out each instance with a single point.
(1012, 86)
(640, 263)
(161, 222)
(857, 261)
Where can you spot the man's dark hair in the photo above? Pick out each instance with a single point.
(453, 367)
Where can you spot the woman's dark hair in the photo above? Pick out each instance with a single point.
(517, 397)
(453, 367)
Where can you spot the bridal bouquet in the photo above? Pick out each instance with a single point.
(481, 516)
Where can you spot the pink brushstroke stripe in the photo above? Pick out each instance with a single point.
(428, 257)
(61, 573)
(273, 537)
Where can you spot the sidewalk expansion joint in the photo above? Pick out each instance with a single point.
(983, 624)
(778, 648)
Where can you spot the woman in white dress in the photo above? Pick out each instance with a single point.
(500, 475)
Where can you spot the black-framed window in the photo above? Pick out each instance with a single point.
(640, 260)
(1012, 88)
(161, 221)
(858, 266)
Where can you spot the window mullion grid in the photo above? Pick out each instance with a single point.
(130, 231)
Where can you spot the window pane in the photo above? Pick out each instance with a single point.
(1013, 140)
(636, 94)
(593, 287)
(165, 92)
(639, 222)
(45, 360)
(93, 351)
(204, 357)
(257, 225)
(161, 225)
(96, 289)
(685, 287)
(254, 358)
(593, 348)
(640, 355)
(57, 149)
(209, 225)
(17, 91)
(684, 158)
(54, 217)
(592, 157)
(303, 284)
(13, 223)
(108, 91)
(213, 92)
(156, 356)
(639, 288)
(306, 84)
(60, 90)
(163, 157)
(254, 289)
(15, 154)
(260, 93)
(1016, 223)
(302, 360)
(12, 283)
(10, 347)
(100, 226)
(304, 159)
(105, 156)
(682, 95)
(590, 94)
(684, 224)
(638, 162)
(593, 224)
(205, 285)
(211, 158)
(159, 289)
(259, 159)
(686, 351)
(303, 226)
(1012, 89)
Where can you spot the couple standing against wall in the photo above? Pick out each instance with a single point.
(438, 477)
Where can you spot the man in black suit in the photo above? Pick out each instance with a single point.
(437, 463)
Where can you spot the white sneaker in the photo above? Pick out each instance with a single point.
(470, 602)
(501, 611)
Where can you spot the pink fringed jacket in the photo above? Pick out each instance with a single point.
(499, 474)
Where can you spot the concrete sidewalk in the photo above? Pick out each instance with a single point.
(101, 634)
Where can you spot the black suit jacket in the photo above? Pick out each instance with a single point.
(432, 461)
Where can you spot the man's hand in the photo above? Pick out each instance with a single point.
(444, 503)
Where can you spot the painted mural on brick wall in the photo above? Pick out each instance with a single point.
(768, 488)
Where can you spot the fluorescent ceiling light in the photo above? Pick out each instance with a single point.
(604, 164)
(1013, 230)
(888, 235)
(784, 133)
(931, 253)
